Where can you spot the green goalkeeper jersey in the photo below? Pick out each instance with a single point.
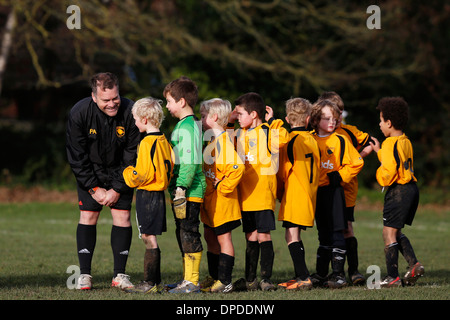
(186, 141)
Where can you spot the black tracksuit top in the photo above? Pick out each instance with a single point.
(100, 147)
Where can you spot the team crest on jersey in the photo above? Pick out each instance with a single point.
(330, 151)
(120, 131)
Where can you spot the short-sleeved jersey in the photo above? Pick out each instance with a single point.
(397, 162)
(259, 149)
(221, 203)
(187, 141)
(338, 154)
(298, 178)
(359, 140)
(154, 164)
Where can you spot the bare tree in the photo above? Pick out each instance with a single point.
(6, 44)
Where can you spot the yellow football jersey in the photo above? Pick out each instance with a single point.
(359, 140)
(259, 148)
(397, 163)
(220, 160)
(338, 154)
(154, 164)
(298, 178)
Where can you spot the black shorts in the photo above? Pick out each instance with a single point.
(151, 212)
(262, 221)
(400, 205)
(87, 203)
(350, 213)
(330, 214)
(287, 225)
(330, 209)
(187, 229)
(224, 228)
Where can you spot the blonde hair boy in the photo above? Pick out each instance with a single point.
(298, 110)
(222, 108)
(149, 109)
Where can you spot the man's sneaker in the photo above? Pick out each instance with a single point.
(301, 285)
(267, 285)
(286, 284)
(357, 279)
(317, 280)
(336, 281)
(218, 286)
(145, 287)
(413, 273)
(205, 285)
(185, 287)
(122, 281)
(391, 282)
(84, 282)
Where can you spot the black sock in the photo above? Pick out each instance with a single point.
(297, 252)
(251, 260)
(213, 264)
(391, 253)
(323, 259)
(407, 250)
(86, 239)
(152, 266)
(267, 257)
(120, 244)
(352, 254)
(225, 269)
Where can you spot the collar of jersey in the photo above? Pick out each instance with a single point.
(159, 133)
(299, 129)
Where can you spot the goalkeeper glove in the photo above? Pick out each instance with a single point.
(179, 203)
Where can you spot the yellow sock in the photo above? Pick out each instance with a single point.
(192, 266)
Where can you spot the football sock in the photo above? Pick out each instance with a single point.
(323, 259)
(86, 239)
(407, 250)
(213, 264)
(120, 244)
(225, 270)
(192, 266)
(338, 260)
(297, 252)
(152, 266)
(184, 266)
(391, 253)
(267, 257)
(352, 254)
(251, 260)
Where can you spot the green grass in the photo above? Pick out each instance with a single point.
(37, 245)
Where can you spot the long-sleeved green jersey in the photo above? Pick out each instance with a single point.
(187, 142)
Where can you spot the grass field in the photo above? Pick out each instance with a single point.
(37, 245)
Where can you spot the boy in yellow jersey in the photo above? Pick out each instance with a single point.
(298, 179)
(151, 177)
(360, 141)
(340, 162)
(258, 143)
(402, 197)
(220, 211)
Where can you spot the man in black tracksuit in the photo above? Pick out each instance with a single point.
(102, 139)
